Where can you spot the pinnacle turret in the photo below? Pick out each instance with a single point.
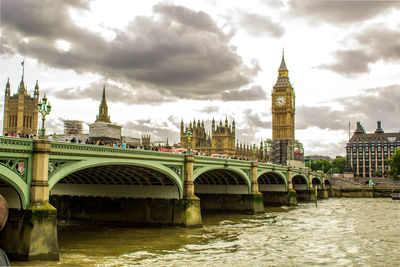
(8, 87)
(36, 92)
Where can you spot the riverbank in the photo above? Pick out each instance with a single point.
(368, 192)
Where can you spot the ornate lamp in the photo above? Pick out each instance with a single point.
(189, 136)
(44, 108)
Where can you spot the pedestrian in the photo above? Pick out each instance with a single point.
(3, 219)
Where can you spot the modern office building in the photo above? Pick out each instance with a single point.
(366, 153)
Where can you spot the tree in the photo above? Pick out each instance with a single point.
(394, 164)
(339, 164)
(321, 165)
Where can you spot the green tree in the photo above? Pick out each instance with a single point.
(339, 164)
(321, 165)
(394, 164)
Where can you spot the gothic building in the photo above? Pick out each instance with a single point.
(283, 105)
(103, 109)
(20, 110)
(102, 130)
(283, 146)
(220, 140)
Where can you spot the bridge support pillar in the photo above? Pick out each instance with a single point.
(292, 199)
(31, 234)
(189, 210)
(255, 198)
(311, 191)
(40, 217)
(323, 193)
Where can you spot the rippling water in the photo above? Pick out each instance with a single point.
(339, 232)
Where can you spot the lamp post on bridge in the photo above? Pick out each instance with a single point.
(188, 144)
(44, 108)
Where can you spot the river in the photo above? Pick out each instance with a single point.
(339, 232)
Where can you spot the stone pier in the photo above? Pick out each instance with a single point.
(31, 233)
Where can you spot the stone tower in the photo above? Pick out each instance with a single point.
(223, 138)
(283, 105)
(20, 110)
(103, 109)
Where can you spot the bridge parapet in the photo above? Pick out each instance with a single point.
(86, 150)
(13, 144)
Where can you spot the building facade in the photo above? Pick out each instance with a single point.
(102, 130)
(283, 105)
(366, 153)
(283, 148)
(220, 140)
(20, 111)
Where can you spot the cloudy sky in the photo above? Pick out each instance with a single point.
(164, 61)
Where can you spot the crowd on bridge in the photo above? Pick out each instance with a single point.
(159, 148)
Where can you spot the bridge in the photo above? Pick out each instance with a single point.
(43, 181)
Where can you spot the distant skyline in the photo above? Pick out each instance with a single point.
(164, 61)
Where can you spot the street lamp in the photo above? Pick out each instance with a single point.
(44, 108)
(189, 136)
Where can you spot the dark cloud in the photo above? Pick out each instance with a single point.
(255, 120)
(374, 43)
(254, 93)
(340, 12)
(260, 25)
(178, 52)
(113, 94)
(372, 105)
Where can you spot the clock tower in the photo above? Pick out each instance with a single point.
(283, 105)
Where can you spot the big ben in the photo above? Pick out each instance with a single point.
(283, 105)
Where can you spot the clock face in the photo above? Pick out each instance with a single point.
(280, 101)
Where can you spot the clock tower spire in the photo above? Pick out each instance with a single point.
(283, 105)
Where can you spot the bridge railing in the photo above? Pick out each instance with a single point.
(96, 150)
(14, 144)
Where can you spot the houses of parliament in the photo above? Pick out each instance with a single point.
(282, 147)
(20, 110)
(21, 118)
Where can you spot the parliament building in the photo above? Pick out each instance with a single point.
(20, 111)
(220, 140)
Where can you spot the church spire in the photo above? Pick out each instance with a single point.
(283, 64)
(283, 71)
(103, 109)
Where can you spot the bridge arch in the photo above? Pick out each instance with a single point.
(327, 182)
(316, 181)
(300, 182)
(153, 171)
(218, 179)
(13, 188)
(271, 181)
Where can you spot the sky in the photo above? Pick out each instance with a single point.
(166, 61)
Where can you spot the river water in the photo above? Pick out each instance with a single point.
(339, 232)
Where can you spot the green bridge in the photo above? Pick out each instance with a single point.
(44, 181)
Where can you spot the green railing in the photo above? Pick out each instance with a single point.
(16, 144)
